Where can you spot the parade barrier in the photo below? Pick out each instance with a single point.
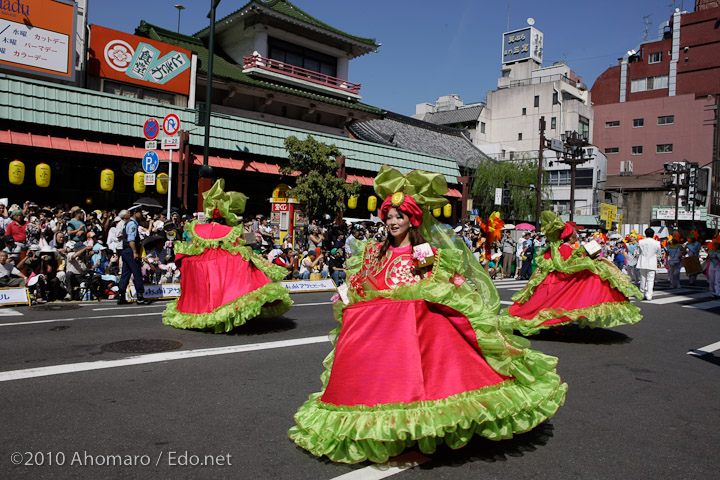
(156, 292)
(304, 286)
(14, 296)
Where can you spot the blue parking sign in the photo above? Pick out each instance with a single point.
(150, 161)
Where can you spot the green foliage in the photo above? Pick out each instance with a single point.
(491, 175)
(318, 185)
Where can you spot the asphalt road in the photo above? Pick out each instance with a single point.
(639, 406)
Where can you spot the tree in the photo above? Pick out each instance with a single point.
(490, 175)
(318, 186)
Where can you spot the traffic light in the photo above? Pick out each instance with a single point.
(506, 197)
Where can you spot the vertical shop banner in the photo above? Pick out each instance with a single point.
(138, 60)
(37, 36)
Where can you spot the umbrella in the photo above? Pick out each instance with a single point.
(508, 226)
(152, 238)
(148, 202)
(615, 236)
(524, 226)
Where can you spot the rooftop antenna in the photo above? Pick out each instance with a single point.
(647, 21)
(508, 15)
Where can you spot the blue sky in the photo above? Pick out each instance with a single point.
(433, 48)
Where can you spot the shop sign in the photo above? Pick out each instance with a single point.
(37, 37)
(138, 60)
(668, 213)
(280, 194)
(522, 44)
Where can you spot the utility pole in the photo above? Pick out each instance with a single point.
(205, 180)
(543, 146)
(574, 155)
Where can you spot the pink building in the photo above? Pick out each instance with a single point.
(659, 103)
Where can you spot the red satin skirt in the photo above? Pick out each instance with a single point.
(214, 278)
(405, 351)
(567, 291)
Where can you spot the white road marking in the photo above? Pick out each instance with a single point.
(705, 350)
(77, 318)
(310, 304)
(9, 312)
(396, 465)
(153, 358)
(506, 302)
(129, 307)
(680, 298)
(704, 305)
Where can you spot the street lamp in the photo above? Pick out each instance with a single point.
(180, 9)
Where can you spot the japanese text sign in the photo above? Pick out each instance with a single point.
(37, 36)
(140, 61)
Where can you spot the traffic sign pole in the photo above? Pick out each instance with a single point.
(169, 187)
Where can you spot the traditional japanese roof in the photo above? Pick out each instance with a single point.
(411, 134)
(453, 117)
(286, 11)
(84, 116)
(225, 69)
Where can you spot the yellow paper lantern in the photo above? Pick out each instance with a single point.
(139, 182)
(437, 212)
(372, 203)
(352, 202)
(447, 210)
(17, 172)
(161, 183)
(42, 175)
(107, 180)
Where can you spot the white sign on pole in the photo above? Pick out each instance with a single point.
(150, 144)
(556, 145)
(498, 196)
(149, 179)
(171, 143)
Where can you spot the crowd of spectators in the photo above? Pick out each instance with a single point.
(70, 253)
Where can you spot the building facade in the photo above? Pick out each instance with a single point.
(660, 103)
(507, 126)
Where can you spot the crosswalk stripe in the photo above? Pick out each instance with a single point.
(9, 312)
(704, 305)
(681, 298)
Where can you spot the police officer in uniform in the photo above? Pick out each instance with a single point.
(130, 255)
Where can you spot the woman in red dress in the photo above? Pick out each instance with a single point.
(570, 286)
(223, 283)
(418, 356)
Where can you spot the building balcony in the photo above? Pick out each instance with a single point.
(284, 72)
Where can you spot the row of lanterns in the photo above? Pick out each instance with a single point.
(446, 211)
(16, 175)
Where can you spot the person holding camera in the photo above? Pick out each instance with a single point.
(77, 230)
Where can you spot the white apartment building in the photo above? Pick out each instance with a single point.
(507, 126)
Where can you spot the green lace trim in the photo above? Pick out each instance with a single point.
(604, 315)
(232, 243)
(356, 433)
(235, 313)
(577, 262)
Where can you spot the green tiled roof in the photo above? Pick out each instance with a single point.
(55, 105)
(222, 68)
(286, 8)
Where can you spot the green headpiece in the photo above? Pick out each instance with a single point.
(227, 204)
(552, 226)
(425, 188)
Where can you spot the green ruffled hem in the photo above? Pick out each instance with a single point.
(232, 243)
(353, 434)
(574, 264)
(235, 313)
(604, 315)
